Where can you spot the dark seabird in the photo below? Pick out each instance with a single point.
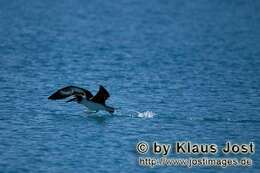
(84, 97)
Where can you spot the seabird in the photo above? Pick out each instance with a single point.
(84, 97)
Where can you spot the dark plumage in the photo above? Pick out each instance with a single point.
(84, 97)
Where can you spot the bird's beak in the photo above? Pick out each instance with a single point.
(73, 99)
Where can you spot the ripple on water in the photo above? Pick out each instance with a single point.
(145, 114)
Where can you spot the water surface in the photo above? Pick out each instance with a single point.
(195, 65)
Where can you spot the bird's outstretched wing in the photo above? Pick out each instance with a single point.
(101, 96)
(69, 91)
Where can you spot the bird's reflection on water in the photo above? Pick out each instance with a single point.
(98, 117)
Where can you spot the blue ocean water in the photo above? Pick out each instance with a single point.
(192, 65)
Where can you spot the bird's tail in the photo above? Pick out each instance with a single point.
(110, 109)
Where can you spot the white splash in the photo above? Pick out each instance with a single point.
(146, 114)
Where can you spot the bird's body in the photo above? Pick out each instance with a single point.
(96, 106)
(84, 97)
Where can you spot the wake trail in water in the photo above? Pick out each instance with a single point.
(136, 114)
